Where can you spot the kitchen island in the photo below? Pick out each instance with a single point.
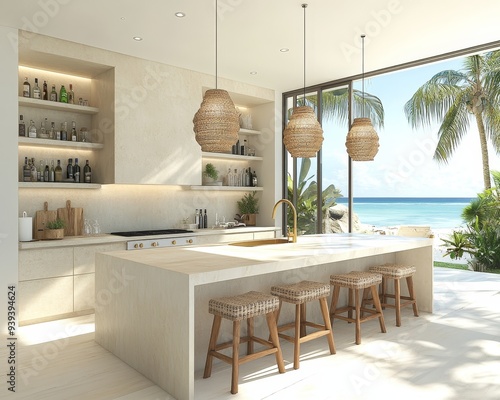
(152, 305)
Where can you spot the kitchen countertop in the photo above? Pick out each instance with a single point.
(107, 238)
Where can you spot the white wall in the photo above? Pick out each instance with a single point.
(8, 179)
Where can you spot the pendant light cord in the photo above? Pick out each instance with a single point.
(216, 44)
(304, 6)
(363, 71)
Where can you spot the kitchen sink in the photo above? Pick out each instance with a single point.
(259, 242)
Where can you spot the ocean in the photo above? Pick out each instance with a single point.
(436, 212)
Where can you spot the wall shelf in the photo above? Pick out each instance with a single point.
(228, 188)
(24, 141)
(58, 185)
(53, 105)
(227, 156)
(244, 131)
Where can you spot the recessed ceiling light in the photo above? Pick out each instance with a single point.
(253, 72)
(180, 14)
(123, 18)
(284, 49)
(137, 38)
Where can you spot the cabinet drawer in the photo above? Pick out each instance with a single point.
(85, 256)
(45, 263)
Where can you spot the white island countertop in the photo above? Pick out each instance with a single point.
(152, 305)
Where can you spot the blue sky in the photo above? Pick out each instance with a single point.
(404, 166)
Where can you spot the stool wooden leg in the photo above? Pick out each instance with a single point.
(303, 320)
(383, 292)
(350, 303)
(378, 307)
(296, 341)
(397, 298)
(409, 282)
(328, 325)
(250, 335)
(358, 315)
(211, 346)
(236, 356)
(335, 300)
(273, 333)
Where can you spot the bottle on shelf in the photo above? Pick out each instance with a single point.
(46, 173)
(63, 95)
(58, 172)
(26, 171)
(74, 137)
(70, 170)
(22, 126)
(53, 94)
(205, 219)
(254, 179)
(87, 173)
(42, 133)
(71, 95)
(52, 131)
(32, 129)
(64, 131)
(197, 218)
(40, 172)
(45, 91)
(200, 225)
(76, 171)
(248, 177)
(26, 88)
(36, 91)
(52, 172)
(34, 173)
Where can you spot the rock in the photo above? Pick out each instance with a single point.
(337, 220)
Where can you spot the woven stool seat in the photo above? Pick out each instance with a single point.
(247, 305)
(356, 279)
(301, 292)
(394, 270)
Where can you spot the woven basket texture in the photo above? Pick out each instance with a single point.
(243, 306)
(394, 270)
(216, 123)
(301, 292)
(356, 279)
(362, 140)
(303, 135)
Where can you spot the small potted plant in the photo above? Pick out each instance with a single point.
(54, 229)
(248, 207)
(210, 175)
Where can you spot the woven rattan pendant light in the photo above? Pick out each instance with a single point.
(303, 135)
(216, 123)
(362, 140)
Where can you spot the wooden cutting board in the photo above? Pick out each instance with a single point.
(41, 219)
(73, 219)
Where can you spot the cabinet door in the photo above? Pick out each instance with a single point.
(84, 292)
(45, 263)
(85, 256)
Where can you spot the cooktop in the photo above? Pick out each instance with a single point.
(151, 232)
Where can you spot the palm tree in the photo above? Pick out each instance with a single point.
(453, 99)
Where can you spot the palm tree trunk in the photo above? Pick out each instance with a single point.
(484, 151)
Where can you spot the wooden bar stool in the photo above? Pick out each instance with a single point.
(357, 281)
(396, 272)
(299, 294)
(237, 308)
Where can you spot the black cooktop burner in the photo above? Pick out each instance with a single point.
(151, 232)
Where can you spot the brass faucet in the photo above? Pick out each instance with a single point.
(293, 235)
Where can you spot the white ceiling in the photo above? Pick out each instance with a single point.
(252, 32)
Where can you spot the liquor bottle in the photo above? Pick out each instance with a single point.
(69, 170)
(200, 225)
(197, 218)
(36, 90)
(87, 173)
(52, 172)
(64, 131)
(40, 173)
(42, 133)
(58, 172)
(26, 88)
(71, 95)
(45, 91)
(22, 126)
(32, 129)
(34, 173)
(74, 136)
(254, 179)
(52, 131)
(53, 94)
(248, 177)
(46, 173)
(63, 95)
(76, 171)
(26, 171)
(205, 219)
